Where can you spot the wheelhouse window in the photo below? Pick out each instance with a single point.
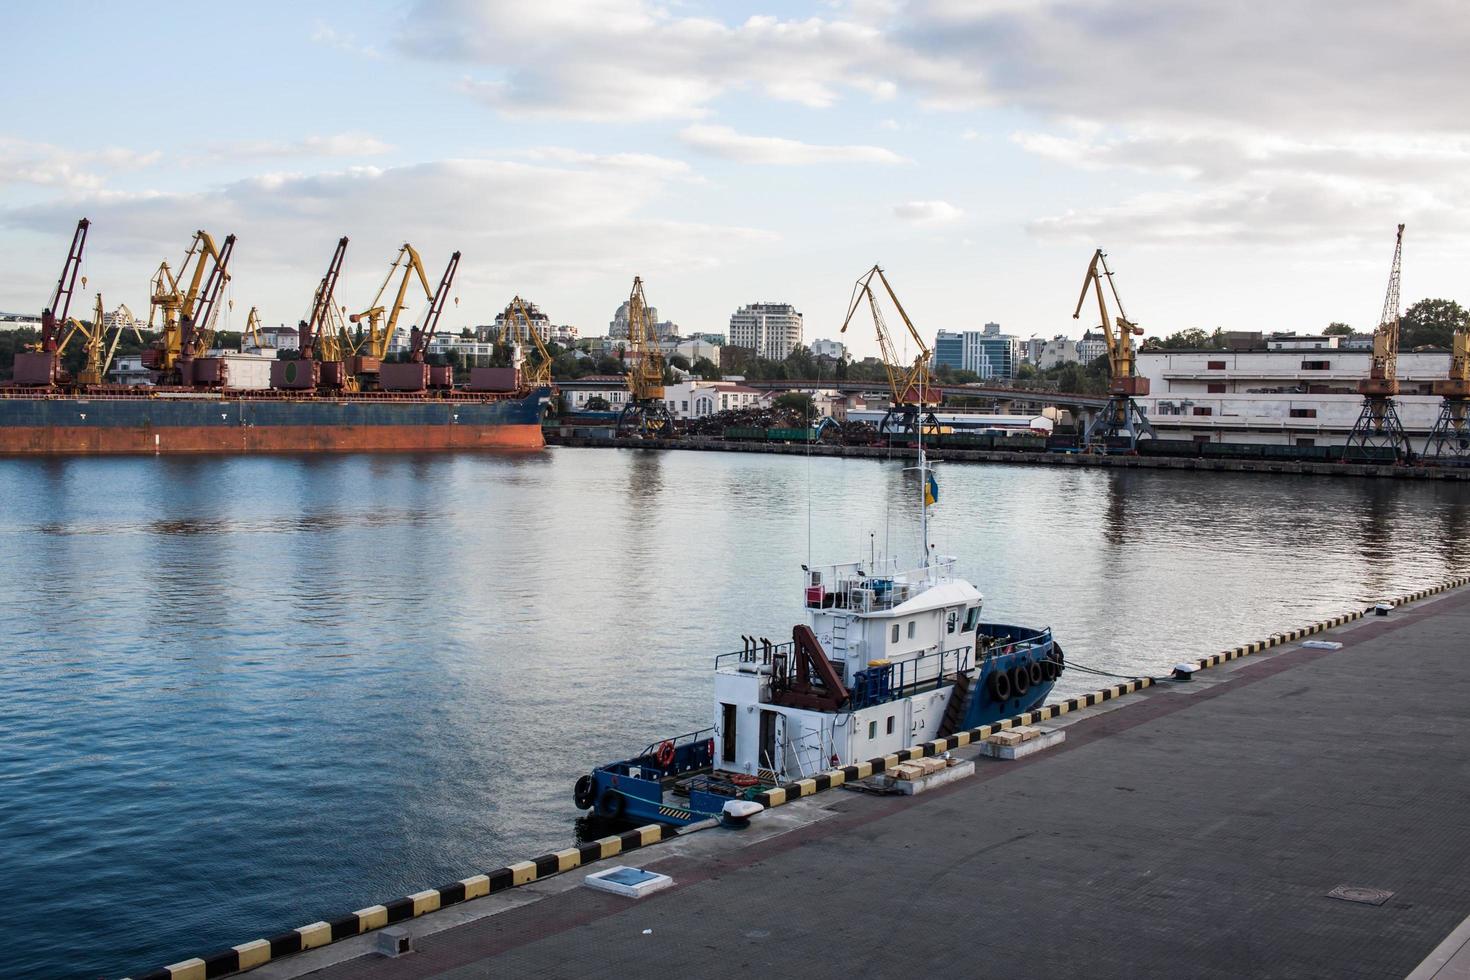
(895, 633)
(890, 724)
(872, 729)
(911, 629)
(972, 615)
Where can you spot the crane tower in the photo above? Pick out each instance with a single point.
(1378, 430)
(1121, 417)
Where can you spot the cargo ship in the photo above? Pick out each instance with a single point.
(338, 393)
(150, 421)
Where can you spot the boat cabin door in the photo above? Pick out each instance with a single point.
(767, 758)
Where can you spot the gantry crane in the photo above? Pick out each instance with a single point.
(42, 365)
(1450, 437)
(1120, 417)
(252, 328)
(172, 302)
(912, 392)
(1378, 431)
(371, 346)
(645, 414)
(517, 322)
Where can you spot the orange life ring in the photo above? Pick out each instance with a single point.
(665, 755)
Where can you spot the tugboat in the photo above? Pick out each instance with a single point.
(889, 656)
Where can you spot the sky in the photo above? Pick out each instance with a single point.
(1243, 164)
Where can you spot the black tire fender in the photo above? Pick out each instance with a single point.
(582, 792)
(1020, 680)
(999, 685)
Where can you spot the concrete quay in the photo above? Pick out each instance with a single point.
(1063, 460)
(1191, 829)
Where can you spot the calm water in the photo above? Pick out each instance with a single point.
(238, 695)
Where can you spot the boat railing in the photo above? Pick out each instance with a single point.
(1000, 647)
(758, 652)
(690, 752)
(865, 587)
(882, 682)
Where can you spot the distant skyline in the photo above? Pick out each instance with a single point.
(1244, 165)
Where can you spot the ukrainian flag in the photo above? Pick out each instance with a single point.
(931, 490)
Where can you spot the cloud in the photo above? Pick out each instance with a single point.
(335, 145)
(724, 142)
(520, 225)
(927, 212)
(45, 165)
(629, 61)
(328, 36)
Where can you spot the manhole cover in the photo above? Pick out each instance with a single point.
(1358, 893)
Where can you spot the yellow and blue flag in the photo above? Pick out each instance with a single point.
(931, 490)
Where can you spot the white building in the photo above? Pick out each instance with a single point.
(19, 321)
(611, 388)
(128, 369)
(691, 350)
(280, 338)
(834, 349)
(772, 330)
(694, 399)
(1296, 394)
(1051, 353)
(1091, 347)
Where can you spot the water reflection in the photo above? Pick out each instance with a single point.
(236, 672)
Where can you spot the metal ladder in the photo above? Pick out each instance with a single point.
(839, 637)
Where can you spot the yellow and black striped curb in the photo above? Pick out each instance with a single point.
(249, 955)
(1277, 639)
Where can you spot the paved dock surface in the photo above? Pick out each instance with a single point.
(1194, 830)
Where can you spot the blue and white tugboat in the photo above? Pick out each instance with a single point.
(889, 656)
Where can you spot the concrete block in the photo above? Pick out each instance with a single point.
(1021, 748)
(947, 774)
(1005, 738)
(393, 941)
(628, 882)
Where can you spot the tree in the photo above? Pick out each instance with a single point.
(680, 362)
(706, 369)
(597, 404)
(1192, 339)
(794, 401)
(1337, 328)
(1431, 323)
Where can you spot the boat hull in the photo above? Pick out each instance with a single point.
(52, 425)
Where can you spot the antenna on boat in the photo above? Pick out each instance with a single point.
(923, 469)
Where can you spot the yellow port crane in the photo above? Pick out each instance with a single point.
(1121, 418)
(99, 353)
(173, 302)
(912, 392)
(1378, 434)
(371, 345)
(1450, 436)
(252, 328)
(645, 414)
(517, 324)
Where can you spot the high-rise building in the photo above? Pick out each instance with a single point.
(989, 353)
(772, 330)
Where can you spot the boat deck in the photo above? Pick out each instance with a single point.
(1193, 830)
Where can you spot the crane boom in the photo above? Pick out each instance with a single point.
(516, 316)
(1383, 377)
(197, 333)
(1123, 376)
(422, 336)
(174, 303)
(322, 302)
(909, 385)
(56, 312)
(379, 334)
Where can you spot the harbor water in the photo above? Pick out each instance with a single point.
(241, 694)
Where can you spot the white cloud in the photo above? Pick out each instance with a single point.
(553, 226)
(334, 145)
(927, 212)
(722, 141)
(42, 164)
(628, 61)
(328, 36)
